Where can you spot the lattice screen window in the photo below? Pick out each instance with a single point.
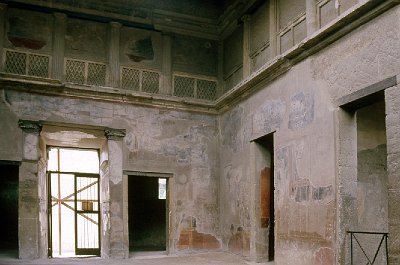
(22, 63)
(184, 86)
(150, 82)
(38, 65)
(15, 62)
(96, 74)
(130, 79)
(206, 89)
(83, 72)
(75, 71)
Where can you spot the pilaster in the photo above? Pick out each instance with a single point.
(166, 81)
(28, 210)
(113, 54)
(119, 245)
(60, 25)
(246, 46)
(3, 8)
(220, 91)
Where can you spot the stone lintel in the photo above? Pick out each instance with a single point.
(366, 96)
(115, 134)
(28, 126)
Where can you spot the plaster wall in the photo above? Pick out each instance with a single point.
(259, 29)
(289, 11)
(300, 106)
(157, 140)
(194, 55)
(141, 48)
(86, 40)
(10, 150)
(29, 30)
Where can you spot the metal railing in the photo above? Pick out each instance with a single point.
(383, 238)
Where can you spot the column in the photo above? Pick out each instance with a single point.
(246, 46)
(311, 17)
(60, 25)
(119, 245)
(3, 8)
(166, 77)
(28, 210)
(392, 103)
(113, 55)
(273, 25)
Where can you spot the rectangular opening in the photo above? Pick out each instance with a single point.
(74, 202)
(9, 192)
(372, 182)
(147, 213)
(265, 167)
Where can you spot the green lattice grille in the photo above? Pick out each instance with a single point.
(184, 86)
(38, 65)
(96, 74)
(75, 72)
(130, 79)
(15, 62)
(22, 63)
(150, 81)
(206, 89)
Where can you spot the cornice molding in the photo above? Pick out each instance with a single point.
(349, 21)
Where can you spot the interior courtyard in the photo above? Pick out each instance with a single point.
(200, 132)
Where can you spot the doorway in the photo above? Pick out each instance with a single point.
(73, 203)
(265, 169)
(147, 213)
(9, 190)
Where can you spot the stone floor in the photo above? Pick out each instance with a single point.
(212, 258)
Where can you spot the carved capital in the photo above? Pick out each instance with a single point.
(115, 25)
(114, 134)
(245, 18)
(60, 16)
(28, 126)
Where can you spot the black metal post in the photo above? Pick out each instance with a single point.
(351, 248)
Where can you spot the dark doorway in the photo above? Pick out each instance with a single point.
(267, 207)
(147, 213)
(9, 207)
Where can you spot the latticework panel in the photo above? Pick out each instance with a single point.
(206, 89)
(96, 74)
(130, 79)
(38, 65)
(75, 71)
(15, 62)
(150, 82)
(184, 86)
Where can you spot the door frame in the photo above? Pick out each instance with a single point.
(94, 252)
(169, 208)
